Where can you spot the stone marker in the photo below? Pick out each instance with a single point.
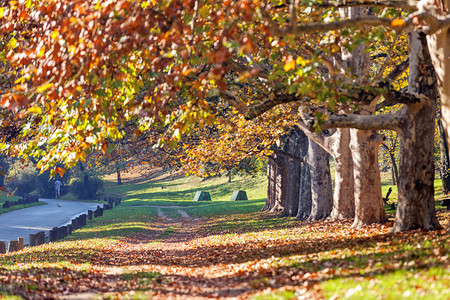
(90, 213)
(202, 196)
(238, 196)
(20, 240)
(2, 247)
(69, 229)
(13, 246)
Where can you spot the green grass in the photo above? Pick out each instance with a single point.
(400, 284)
(360, 266)
(181, 191)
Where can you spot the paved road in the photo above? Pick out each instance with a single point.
(21, 223)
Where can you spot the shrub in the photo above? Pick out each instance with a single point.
(21, 178)
(86, 189)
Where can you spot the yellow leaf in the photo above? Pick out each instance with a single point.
(398, 22)
(41, 52)
(35, 110)
(289, 64)
(2, 12)
(54, 34)
(44, 87)
(72, 49)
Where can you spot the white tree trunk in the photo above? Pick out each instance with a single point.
(416, 184)
(344, 188)
(321, 189)
(439, 48)
(369, 206)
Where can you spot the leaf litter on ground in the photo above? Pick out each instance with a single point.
(240, 256)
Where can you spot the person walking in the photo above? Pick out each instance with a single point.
(58, 189)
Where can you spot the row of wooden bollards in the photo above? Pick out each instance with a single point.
(57, 233)
(27, 199)
(13, 245)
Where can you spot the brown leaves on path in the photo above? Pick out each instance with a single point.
(235, 256)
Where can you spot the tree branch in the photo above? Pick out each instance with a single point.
(285, 153)
(240, 67)
(427, 22)
(407, 4)
(364, 122)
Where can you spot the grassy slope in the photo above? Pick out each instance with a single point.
(256, 252)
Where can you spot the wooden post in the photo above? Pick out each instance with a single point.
(20, 241)
(13, 246)
(2, 247)
(53, 234)
(89, 215)
(40, 238)
(32, 239)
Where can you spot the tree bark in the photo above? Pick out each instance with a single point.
(119, 177)
(439, 49)
(415, 206)
(369, 206)
(321, 189)
(271, 184)
(293, 149)
(276, 190)
(344, 188)
(445, 162)
(305, 201)
(394, 168)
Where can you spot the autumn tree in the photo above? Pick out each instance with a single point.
(85, 68)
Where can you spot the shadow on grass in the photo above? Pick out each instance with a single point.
(369, 259)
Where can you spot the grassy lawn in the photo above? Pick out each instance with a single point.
(146, 248)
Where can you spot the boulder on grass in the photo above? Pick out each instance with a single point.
(238, 196)
(202, 196)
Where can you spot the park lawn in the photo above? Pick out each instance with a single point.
(226, 249)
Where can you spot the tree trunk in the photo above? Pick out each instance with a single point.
(439, 49)
(293, 157)
(271, 184)
(369, 205)
(445, 163)
(305, 201)
(119, 177)
(276, 184)
(344, 200)
(394, 169)
(415, 206)
(321, 189)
